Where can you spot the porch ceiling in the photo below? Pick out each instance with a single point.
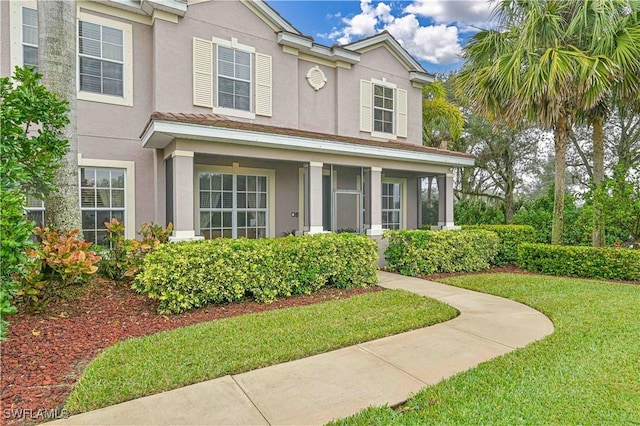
(162, 128)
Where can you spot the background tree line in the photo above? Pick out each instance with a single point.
(550, 100)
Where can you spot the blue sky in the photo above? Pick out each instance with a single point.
(433, 31)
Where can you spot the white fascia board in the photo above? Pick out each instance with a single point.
(421, 77)
(128, 5)
(160, 133)
(408, 60)
(176, 7)
(273, 16)
(307, 45)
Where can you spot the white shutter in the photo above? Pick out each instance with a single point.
(263, 85)
(202, 72)
(401, 115)
(365, 106)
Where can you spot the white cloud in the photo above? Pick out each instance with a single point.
(438, 43)
(434, 43)
(462, 12)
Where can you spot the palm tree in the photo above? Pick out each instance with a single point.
(612, 29)
(57, 62)
(441, 120)
(529, 68)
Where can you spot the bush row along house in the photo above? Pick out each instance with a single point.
(221, 117)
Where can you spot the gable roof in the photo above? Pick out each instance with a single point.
(385, 39)
(218, 127)
(270, 16)
(350, 53)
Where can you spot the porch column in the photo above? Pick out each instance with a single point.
(315, 197)
(445, 204)
(375, 202)
(183, 200)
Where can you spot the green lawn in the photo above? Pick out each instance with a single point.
(587, 372)
(176, 358)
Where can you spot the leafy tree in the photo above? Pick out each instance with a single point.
(528, 68)
(57, 62)
(504, 155)
(442, 120)
(539, 214)
(478, 212)
(611, 29)
(31, 123)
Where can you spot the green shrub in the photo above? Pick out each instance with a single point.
(427, 252)
(191, 274)
(511, 236)
(579, 261)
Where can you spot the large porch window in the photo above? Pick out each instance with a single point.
(233, 205)
(391, 205)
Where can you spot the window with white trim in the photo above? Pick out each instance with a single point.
(231, 78)
(102, 198)
(233, 205)
(391, 205)
(234, 78)
(30, 37)
(35, 210)
(383, 109)
(101, 59)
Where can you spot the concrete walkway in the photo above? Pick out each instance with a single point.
(337, 384)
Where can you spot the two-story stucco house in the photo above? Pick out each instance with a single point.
(221, 117)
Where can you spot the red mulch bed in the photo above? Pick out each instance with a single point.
(46, 353)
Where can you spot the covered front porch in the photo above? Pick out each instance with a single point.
(220, 182)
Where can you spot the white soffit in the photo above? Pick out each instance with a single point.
(160, 133)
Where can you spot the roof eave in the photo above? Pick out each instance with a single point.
(176, 7)
(307, 45)
(159, 133)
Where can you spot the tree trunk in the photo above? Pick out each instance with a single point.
(508, 204)
(560, 139)
(598, 177)
(57, 63)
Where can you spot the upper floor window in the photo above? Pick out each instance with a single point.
(231, 78)
(104, 49)
(383, 109)
(29, 37)
(105, 60)
(101, 57)
(234, 79)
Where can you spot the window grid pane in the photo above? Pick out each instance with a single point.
(391, 205)
(216, 205)
(101, 56)
(232, 205)
(102, 198)
(252, 206)
(29, 37)
(383, 109)
(234, 79)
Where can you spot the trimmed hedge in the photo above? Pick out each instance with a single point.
(191, 274)
(427, 252)
(511, 236)
(579, 261)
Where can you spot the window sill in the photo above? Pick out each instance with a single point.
(234, 113)
(105, 99)
(386, 136)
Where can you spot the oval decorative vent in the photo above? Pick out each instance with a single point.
(316, 78)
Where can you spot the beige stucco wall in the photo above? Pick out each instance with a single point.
(162, 81)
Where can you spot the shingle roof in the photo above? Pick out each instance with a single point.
(220, 121)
